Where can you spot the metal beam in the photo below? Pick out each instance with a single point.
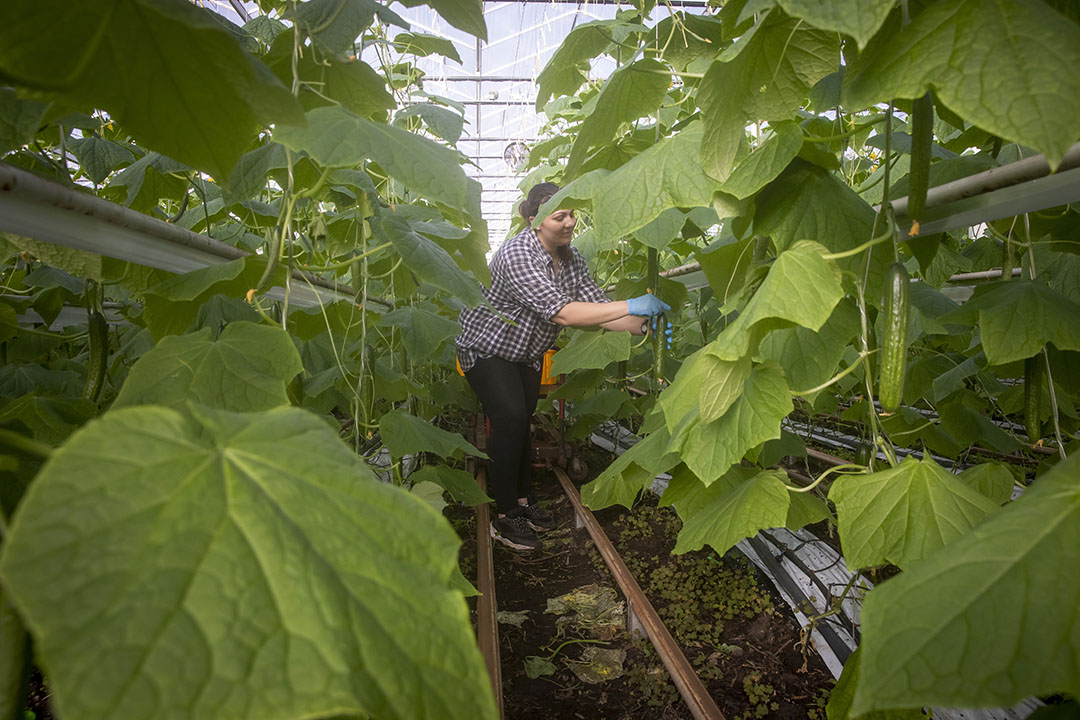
(43, 210)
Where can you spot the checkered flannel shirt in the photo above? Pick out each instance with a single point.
(525, 289)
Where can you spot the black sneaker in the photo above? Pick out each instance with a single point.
(537, 517)
(514, 531)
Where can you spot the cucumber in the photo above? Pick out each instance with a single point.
(893, 342)
(658, 322)
(99, 355)
(1034, 376)
(922, 139)
(864, 452)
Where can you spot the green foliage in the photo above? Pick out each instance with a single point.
(244, 500)
(1036, 54)
(752, 140)
(246, 369)
(902, 514)
(591, 350)
(214, 95)
(985, 579)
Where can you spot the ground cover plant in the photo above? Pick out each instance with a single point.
(189, 526)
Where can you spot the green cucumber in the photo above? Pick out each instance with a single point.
(99, 355)
(922, 140)
(657, 323)
(864, 452)
(893, 341)
(1034, 376)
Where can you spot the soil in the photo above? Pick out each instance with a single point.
(725, 615)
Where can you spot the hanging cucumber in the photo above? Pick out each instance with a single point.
(864, 452)
(893, 341)
(1034, 377)
(98, 334)
(657, 323)
(99, 355)
(922, 140)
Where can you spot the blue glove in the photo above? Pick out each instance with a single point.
(667, 332)
(646, 306)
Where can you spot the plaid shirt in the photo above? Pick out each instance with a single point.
(526, 290)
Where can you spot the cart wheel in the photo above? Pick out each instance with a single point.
(578, 470)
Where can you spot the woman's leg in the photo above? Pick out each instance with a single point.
(530, 383)
(498, 383)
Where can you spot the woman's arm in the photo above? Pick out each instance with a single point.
(631, 324)
(590, 314)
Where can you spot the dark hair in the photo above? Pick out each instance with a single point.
(539, 195)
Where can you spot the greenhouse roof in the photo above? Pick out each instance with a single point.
(495, 82)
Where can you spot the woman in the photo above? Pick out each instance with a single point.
(541, 285)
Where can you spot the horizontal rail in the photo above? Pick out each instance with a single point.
(487, 617)
(37, 208)
(686, 680)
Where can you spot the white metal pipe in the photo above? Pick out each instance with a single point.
(33, 207)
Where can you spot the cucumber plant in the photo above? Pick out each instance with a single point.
(785, 125)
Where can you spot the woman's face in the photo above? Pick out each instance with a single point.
(558, 227)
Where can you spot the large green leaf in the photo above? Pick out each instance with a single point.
(591, 350)
(809, 357)
(1018, 317)
(335, 25)
(147, 181)
(631, 92)
(167, 70)
(763, 165)
(429, 261)
(462, 485)
(467, 15)
(685, 37)
(251, 173)
(630, 473)
(970, 426)
(709, 449)
(171, 306)
(808, 203)
(423, 331)
(726, 267)
(839, 707)
(424, 44)
(1025, 86)
(442, 122)
(406, 434)
(705, 384)
(902, 514)
(99, 157)
(802, 288)
(666, 175)
(49, 419)
(356, 86)
(988, 620)
(179, 566)
(335, 137)
(245, 370)
(566, 71)
(766, 80)
(19, 120)
(732, 508)
(992, 479)
(857, 18)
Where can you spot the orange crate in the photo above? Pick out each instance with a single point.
(545, 370)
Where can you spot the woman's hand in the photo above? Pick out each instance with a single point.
(647, 305)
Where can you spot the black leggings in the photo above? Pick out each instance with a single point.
(508, 392)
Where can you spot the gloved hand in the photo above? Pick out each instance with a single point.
(667, 332)
(646, 306)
